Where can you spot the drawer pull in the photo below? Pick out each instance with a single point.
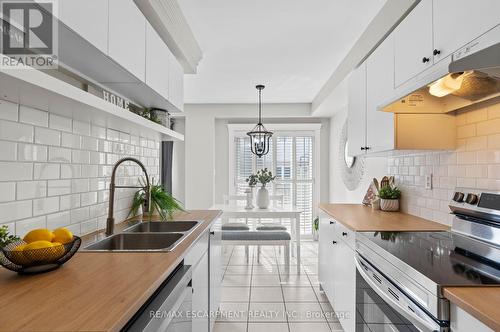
(344, 233)
(332, 222)
(334, 242)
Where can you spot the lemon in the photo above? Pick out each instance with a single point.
(18, 257)
(57, 250)
(62, 235)
(32, 254)
(41, 234)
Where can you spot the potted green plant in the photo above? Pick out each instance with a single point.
(264, 176)
(389, 198)
(161, 201)
(315, 229)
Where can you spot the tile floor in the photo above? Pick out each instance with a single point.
(260, 296)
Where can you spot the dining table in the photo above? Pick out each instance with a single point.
(292, 213)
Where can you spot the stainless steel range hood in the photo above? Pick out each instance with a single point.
(469, 80)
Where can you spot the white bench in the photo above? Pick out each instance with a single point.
(260, 238)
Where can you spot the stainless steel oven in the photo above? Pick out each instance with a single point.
(170, 307)
(401, 275)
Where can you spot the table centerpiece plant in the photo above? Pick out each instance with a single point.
(264, 176)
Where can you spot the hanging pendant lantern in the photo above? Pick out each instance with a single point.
(260, 136)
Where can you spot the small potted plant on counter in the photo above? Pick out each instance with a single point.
(162, 203)
(389, 198)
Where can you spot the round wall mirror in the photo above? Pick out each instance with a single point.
(351, 168)
(349, 161)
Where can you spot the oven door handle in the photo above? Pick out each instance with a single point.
(421, 323)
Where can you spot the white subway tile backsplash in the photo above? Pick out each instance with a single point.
(59, 155)
(71, 140)
(98, 132)
(46, 171)
(13, 131)
(80, 157)
(15, 210)
(31, 189)
(69, 202)
(7, 191)
(82, 128)
(8, 110)
(61, 123)
(79, 185)
(8, 151)
(26, 225)
(15, 171)
(58, 187)
(89, 198)
(56, 220)
(33, 116)
(55, 171)
(47, 136)
(90, 143)
(31, 152)
(79, 215)
(45, 205)
(71, 171)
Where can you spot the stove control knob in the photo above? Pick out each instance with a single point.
(471, 199)
(458, 197)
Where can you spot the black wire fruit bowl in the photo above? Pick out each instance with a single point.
(32, 261)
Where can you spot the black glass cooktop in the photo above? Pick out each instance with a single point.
(449, 259)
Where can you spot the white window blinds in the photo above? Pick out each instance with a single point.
(291, 159)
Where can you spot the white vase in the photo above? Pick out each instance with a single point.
(263, 198)
(389, 205)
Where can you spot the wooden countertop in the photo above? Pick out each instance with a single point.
(93, 291)
(361, 218)
(481, 302)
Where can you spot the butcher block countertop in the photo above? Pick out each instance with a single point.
(361, 218)
(481, 302)
(93, 291)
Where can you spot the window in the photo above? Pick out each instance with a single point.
(291, 158)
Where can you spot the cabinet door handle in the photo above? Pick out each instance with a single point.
(425, 59)
(334, 242)
(436, 52)
(368, 147)
(212, 232)
(363, 148)
(332, 222)
(344, 234)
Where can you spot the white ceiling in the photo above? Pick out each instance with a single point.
(291, 46)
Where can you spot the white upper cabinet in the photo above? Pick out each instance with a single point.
(356, 120)
(176, 83)
(157, 62)
(457, 22)
(76, 14)
(380, 88)
(413, 43)
(127, 34)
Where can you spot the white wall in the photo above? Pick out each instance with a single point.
(374, 167)
(207, 145)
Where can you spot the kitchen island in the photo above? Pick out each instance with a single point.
(93, 291)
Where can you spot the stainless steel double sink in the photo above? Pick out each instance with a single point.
(146, 236)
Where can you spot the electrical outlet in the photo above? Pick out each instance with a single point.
(428, 181)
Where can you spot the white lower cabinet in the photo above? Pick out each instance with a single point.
(201, 294)
(462, 321)
(337, 270)
(215, 277)
(205, 258)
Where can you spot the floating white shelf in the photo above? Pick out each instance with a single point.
(37, 89)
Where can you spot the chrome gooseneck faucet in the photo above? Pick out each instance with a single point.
(110, 222)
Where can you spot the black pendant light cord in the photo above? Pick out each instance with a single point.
(260, 87)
